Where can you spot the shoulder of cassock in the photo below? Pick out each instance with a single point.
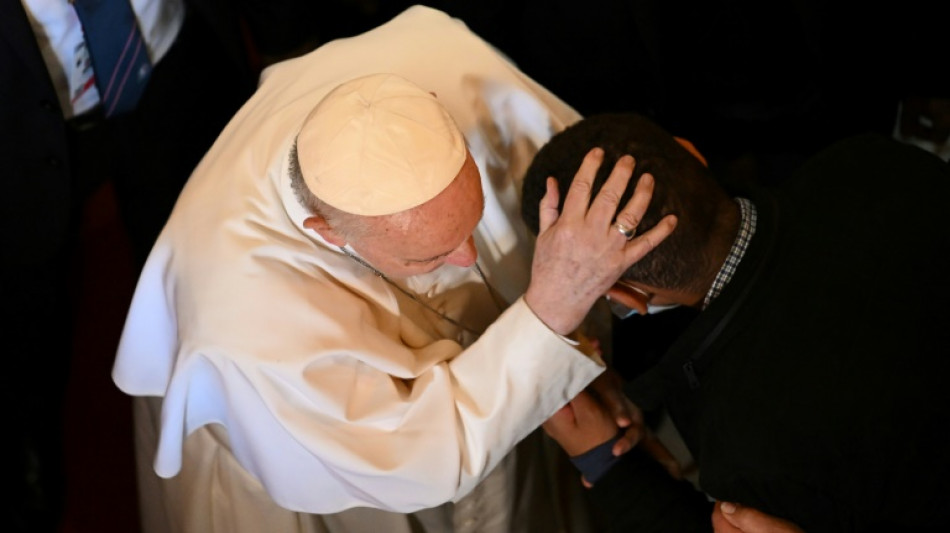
(235, 272)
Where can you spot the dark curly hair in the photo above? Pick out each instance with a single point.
(684, 187)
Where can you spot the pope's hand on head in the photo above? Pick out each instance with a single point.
(581, 252)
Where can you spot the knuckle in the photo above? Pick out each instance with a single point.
(609, 197)
(628, 220)
(580, 187)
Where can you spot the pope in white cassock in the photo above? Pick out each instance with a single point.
(292, 375)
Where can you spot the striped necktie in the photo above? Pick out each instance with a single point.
(119, 58)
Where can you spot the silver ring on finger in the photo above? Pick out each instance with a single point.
(625, 231)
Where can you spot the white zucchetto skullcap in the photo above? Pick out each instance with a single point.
(378, 145)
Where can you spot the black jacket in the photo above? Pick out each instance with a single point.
(38, 190)
(813, 388)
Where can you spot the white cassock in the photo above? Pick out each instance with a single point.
(284, 380)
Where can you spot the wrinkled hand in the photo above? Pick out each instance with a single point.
(735, 518)
(579, 255)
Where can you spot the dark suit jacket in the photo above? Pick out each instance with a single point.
(813, 388)
(47, 170)
(35, 205)
(38, 191)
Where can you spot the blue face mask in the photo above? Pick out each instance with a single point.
(622, 311)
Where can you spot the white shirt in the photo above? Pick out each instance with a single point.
(336, 390)
(59, 35)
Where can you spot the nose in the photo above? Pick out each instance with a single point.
(465, 255)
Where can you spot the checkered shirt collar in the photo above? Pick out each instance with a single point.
(746, 230)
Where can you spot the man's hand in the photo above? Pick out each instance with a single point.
(580, 253)
(734, 518)
(587, 422)
(608, 388)
(581, 425)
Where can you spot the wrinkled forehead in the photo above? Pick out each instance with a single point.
(439, 225)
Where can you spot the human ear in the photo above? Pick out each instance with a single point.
(692, 150)
(629, 297)
(322, 227)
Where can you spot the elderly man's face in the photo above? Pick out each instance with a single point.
(435, 233)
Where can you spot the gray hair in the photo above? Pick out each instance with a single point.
(349, 226)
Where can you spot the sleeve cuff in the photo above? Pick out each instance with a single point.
(594, 463)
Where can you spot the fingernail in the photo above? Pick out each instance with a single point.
(728, 508)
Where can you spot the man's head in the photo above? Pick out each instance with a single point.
(383, 167)
(684, 187)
